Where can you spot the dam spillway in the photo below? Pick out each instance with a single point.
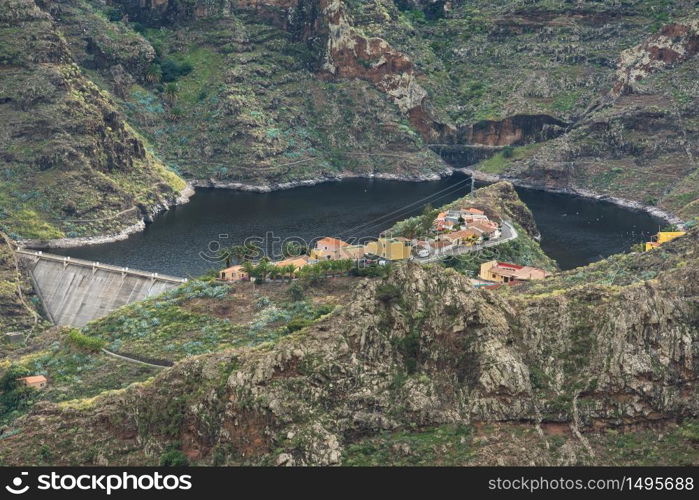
(75, 292)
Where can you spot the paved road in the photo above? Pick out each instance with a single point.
(508, 231)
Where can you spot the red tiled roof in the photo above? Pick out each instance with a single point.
(509, 264)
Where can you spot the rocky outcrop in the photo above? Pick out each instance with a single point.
(327, 27)
(352, 55)
(159, 12)
(418, 349)
(512, 131)
(673, 44)
(98, 44)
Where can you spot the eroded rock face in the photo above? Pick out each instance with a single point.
(675, 43)
(352, 55)
(515, 130)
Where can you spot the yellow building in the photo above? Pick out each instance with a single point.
(352, 252)
(663, 237)
(297, 262)
(388, 248)
(236, 273)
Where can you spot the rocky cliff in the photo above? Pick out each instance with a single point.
(71, 166)
(570, 366)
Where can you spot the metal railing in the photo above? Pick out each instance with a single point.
(37, 254)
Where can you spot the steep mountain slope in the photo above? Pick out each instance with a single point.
(422, 359)
(590, 95)
(284, 91)
(640, 140)
(254, 107)
(70, 165)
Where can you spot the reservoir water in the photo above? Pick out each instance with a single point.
(575, 231)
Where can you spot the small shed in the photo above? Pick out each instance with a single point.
(14, 337)
(36, 381)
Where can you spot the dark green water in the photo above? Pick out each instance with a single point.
(575, 231)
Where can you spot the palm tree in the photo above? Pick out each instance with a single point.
(252, 251)
(171, 93)
(294, 249)
(225, 254)
(154, 73)
(249, 268)
(263, 269)
(289, 270)
(411, 228)
(428, 216)
(338, 267)
(346, 265)
(239, 252)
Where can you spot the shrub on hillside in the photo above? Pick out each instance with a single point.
(14, 396)
(173, 458)
(171, 70)
(84, 342)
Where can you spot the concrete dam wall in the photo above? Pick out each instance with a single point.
(75, 292)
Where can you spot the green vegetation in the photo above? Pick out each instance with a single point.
(446, 445)
(316, 272)
(18, 304)
(179, 324)
(499, 162)
(90, 181)
(171, 70)
(77, 339)
(243, 89)
(15, 397)
(174, 458)
(388, 293)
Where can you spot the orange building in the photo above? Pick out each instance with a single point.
(297, 262)
(234, 273)
(506, 272)
(35, 381)
(328, 249)
(484, 226)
